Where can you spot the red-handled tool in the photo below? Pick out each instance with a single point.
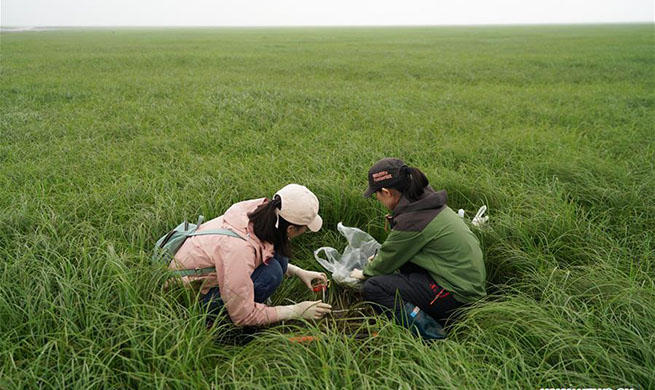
(321, 287)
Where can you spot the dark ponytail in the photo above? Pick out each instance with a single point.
(412, 183)
(264, 218)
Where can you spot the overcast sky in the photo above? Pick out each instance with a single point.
(318, 12)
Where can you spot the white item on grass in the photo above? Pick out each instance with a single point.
(480, 219)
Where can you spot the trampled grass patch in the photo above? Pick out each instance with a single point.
(110, 137)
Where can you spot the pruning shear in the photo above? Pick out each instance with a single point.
(321, 287)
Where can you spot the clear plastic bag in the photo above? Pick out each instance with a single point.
(360, 247)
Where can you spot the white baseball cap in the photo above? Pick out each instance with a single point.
(299, 207)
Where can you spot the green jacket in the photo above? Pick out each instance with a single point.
(431, 235)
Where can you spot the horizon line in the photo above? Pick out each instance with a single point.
(332, 25)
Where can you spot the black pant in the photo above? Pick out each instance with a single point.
(414, 285)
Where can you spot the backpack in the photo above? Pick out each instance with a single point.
(168, 245)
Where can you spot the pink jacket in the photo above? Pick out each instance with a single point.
(234, 259)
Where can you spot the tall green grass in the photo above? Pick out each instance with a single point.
(108, 138)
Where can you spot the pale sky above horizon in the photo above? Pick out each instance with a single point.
(318, 13)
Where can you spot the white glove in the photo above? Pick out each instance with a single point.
(306, 276)
(309, 276)
(480, 218)
(309, 310)
(357, 274)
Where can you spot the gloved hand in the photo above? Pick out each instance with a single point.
(357, 274)
(309, 310)
(313, 310)
(308, 276)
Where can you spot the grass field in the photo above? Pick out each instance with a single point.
(111, 137)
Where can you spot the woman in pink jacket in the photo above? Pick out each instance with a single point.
(249, 269)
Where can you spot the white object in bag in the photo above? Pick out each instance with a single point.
(360, 247)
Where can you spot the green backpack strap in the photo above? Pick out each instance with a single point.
(223, 232)
(191, 272)
(208, 270)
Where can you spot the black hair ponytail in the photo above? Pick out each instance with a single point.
(413, 183)
(264, 218)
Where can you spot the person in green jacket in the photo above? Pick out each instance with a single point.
(431, 263)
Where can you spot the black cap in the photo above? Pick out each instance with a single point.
(383, 174)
